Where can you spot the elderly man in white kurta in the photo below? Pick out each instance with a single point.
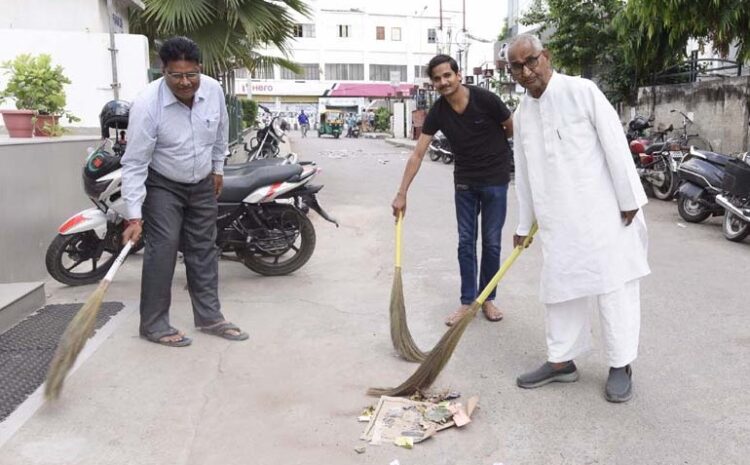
(576, 179)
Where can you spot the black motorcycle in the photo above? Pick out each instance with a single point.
(735, 198)
(702, 176)
(266, 142)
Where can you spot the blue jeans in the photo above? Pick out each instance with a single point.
(491, 202)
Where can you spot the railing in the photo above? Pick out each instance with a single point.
(690, 70)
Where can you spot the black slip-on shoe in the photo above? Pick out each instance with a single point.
(619, 385)
(548, 374)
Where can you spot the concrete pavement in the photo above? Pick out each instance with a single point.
(319, 339)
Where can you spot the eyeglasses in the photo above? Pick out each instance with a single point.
(531, 63)
(180, 76)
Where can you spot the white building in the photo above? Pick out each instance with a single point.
(355, 59)
(76, 33)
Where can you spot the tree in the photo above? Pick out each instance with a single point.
(597, 39)
(227, 31)
(723, 23)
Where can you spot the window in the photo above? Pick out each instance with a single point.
(345, 71)
(431, 36)
(344, 30)
(396, 33)
(263, 72)
(420, 71)
(310, 72)
(304, 30)
(383, 72)
(379, 33)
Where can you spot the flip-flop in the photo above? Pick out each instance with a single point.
(184, 341)
(222, 330)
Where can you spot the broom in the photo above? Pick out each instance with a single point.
(78, 331)
(400, 335)
(434, 362)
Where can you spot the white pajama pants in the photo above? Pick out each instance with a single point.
(569, 325)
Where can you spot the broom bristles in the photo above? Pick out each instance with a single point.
(433, 364)
(72, 341)
(400, 335)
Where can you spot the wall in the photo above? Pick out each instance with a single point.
(85, 58)
(63, 15)
(40, 184)
(720, 108)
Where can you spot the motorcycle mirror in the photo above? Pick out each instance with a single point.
(672, 110)
(651, 118)
(670, 128)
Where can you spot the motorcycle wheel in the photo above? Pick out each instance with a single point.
(447, 159)
(71, 259)
(286, 247)
(434, 155)
(668, 188)
(691, 210)
(735, 229)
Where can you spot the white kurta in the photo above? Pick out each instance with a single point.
(574, 175)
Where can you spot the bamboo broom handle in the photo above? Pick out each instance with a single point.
(118, 261)
(399, 223)
(506, 264)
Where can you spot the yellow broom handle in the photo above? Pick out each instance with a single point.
(399, 221)
(506, 264)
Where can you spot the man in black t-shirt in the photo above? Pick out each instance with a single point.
(477, 124)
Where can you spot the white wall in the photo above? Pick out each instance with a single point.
(86, 60)
(62, 15)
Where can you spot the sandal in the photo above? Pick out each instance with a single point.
(491, 312)
(457, 315)
(184, 341)
(223, 328)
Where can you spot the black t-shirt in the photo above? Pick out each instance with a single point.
(478, 141)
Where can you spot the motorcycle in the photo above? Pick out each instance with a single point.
(702, 175)
(262, 216)
(440, 148)
(735, 198)
(266, 142)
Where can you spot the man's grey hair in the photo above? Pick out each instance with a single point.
(528, 39)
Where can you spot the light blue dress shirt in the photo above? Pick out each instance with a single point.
(180, 143)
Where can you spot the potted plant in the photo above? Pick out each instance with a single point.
(37, 88)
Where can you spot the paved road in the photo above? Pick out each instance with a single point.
(320, 337)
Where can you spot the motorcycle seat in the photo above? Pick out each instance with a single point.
(657, 147)
(238, 186)
(715, 158)
(240, 168)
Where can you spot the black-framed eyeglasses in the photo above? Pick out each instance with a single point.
(180, 76)
(531, 62)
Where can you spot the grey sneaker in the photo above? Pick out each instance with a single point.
(619, 384)
(548, 374)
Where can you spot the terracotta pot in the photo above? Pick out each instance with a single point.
(41, 122)
(18, 122)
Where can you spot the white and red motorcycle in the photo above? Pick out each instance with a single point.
(262, 219)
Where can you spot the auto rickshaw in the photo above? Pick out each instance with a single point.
(331, 122)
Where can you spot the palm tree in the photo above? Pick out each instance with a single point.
(227, 31)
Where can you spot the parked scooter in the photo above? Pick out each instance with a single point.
(735, 198)
(702, 176)
(440, 148)
(261, 218)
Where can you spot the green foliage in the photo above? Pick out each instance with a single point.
(227, 31)
(600, 40)
(721, 22)
(249, 111)
(382, 120)
(36, 85)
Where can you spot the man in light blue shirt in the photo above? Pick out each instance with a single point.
(172, 174)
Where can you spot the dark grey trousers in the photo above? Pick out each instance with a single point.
(178, 215)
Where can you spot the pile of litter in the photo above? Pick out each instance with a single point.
(406, 422)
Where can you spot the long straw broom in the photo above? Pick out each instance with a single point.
(433, 364)
(400, 335)
(80, 328)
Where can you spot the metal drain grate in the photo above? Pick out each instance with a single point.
(27, 349)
